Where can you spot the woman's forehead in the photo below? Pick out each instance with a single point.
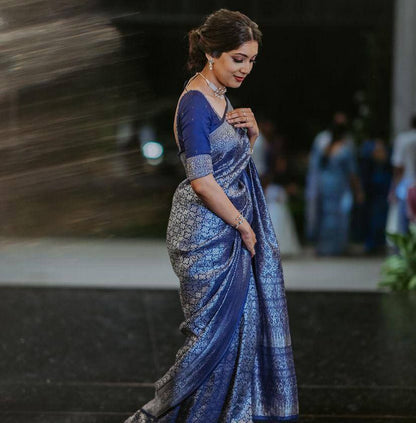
(249, 49)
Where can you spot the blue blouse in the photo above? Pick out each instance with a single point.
(196, 119)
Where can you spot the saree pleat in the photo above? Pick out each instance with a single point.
(236, 365)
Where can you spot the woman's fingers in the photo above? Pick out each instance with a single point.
(244, 125)
(250, 244)
(240, 110)
(243, 118)
(240, 116)
(249, 240)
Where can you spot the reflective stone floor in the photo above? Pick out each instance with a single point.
(84, 355)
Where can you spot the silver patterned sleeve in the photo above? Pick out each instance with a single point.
(198, 166)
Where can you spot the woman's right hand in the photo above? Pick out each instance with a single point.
(248, 236)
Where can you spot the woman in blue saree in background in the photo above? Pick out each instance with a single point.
(332, 180)
(236, 365)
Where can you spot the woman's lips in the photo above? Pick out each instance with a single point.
(239, 78)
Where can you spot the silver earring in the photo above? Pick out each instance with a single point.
(210, 64)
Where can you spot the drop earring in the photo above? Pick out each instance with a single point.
(210, 64)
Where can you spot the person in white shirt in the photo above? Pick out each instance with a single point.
(404, 165)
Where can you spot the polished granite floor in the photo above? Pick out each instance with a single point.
(84, 355)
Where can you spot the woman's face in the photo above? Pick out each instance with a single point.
(233, 66)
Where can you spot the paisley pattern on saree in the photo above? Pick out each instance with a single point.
(236, 365)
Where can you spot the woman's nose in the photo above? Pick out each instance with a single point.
(246, 68)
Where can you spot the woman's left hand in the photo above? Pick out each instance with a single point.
(244, 118)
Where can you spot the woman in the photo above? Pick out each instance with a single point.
(375, 174)
(236, 364)
(332, 180)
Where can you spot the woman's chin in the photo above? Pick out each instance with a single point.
(234, 84)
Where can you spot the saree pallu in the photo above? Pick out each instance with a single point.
(236, 365)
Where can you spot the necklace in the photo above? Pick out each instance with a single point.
(218, 92)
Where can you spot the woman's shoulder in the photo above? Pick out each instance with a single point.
(193, 104)
(192, 98)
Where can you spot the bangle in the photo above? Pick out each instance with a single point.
(240, 219)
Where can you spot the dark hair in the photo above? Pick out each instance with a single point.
(338, 132)
(223, 30)
(413, 121)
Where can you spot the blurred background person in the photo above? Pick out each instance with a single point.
(324, 137)
(404, 175)
(269, 147)
(277, 194)
(320, 143)
(278, 185)
(332, 179)
(260, 148)
(411, 199)
(375, 175)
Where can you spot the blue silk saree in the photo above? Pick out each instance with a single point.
(236, 364)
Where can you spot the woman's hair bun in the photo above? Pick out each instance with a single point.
(222, 31)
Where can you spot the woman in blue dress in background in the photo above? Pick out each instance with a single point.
(236, 365)
(332, 181)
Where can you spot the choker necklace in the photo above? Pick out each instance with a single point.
(218, 92)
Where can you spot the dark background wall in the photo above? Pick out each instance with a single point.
(75, 77)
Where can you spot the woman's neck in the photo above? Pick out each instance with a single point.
(211, 77)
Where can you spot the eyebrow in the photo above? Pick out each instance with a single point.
(245, 55)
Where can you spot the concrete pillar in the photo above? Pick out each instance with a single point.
(404, 65)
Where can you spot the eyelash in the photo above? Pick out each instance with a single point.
(241, 61)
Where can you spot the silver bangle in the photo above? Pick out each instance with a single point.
(240, 219)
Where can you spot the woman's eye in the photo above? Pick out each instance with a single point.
(241, 61)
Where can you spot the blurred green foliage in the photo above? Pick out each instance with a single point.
(399, 270)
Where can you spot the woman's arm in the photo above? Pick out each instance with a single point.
(214, 197)
(252, 142)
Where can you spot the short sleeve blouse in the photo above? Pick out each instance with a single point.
(195, 121)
